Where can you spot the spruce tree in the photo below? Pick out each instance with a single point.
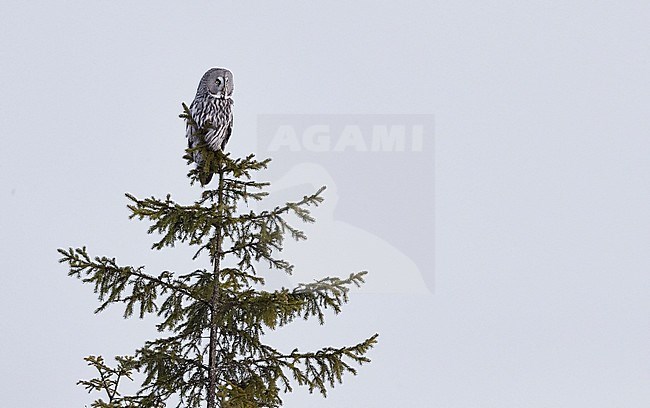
(211, 350)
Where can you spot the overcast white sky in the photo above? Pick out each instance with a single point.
(539, 277)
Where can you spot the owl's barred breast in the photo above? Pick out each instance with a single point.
(216, 115)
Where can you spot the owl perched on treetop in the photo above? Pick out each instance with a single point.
(212, 111)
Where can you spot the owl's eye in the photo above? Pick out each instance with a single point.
(218, 82)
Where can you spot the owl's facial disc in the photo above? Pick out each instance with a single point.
(216, 87)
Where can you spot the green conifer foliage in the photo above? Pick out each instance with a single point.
(212, 321)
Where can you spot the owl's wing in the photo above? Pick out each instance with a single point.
(189, 133)
(190, 130)
(227, 135)
(229, 120)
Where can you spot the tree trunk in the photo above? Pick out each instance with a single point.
(214, 302)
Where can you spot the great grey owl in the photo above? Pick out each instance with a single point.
(212, 111)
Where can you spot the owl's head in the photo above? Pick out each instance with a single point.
(217, 82)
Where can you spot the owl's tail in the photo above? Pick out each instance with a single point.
(205, 178)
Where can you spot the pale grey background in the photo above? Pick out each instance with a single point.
(542, 175)
(372, 166)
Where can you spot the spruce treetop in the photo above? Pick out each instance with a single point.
(211, 350)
